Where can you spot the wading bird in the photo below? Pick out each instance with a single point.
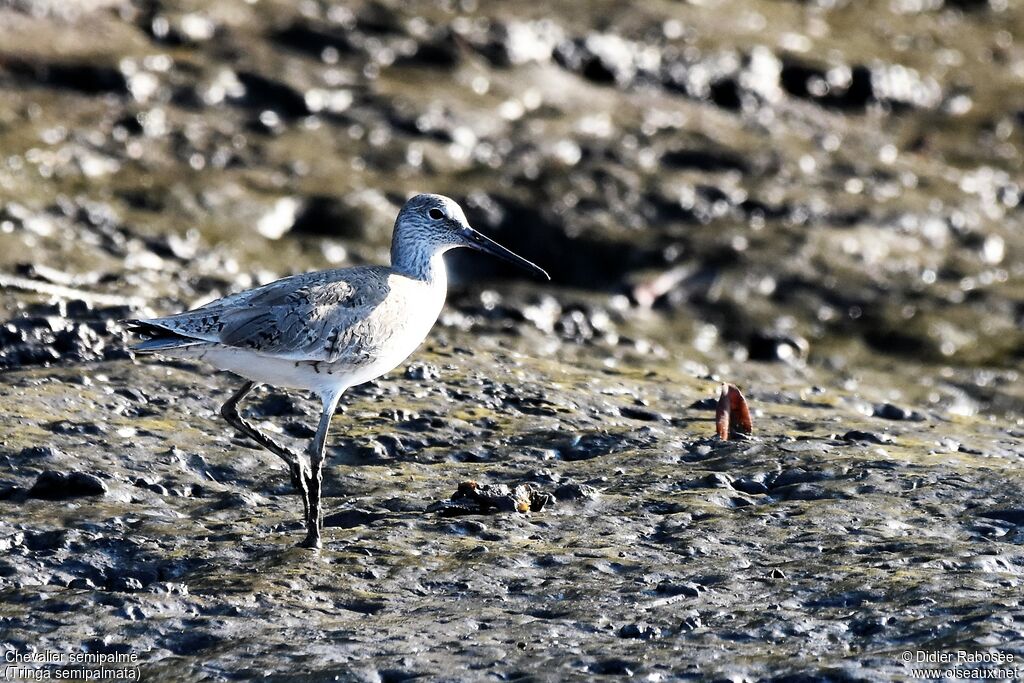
(327, 331)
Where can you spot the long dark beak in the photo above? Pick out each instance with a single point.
(475, 240)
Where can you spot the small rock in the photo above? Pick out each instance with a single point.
(126, 584)
(795, 475)
(12, 541)
(709, 403)
(890, 411)
(575, 491)
(38, 452)
(53, 485)
(802, 492)
(640, 631)
(587, 446)
(806, 446)
(715, 480)
(237, 500)
(47, 540)
(869, 437)
(691, 622)
(144, 483)
(467, 527)
(392, 444)
(689, 589)
(86, 428)
(614, 667)
(373, 450)
(422, 372)
(348, 519)
(749, 485)
(472, 498)
(638, 413)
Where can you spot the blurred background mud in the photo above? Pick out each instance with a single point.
(820, 201)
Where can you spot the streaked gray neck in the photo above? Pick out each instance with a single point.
(419, 258)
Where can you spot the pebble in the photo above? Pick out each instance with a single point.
(749, 485)
(574, 491)
(640, 631)
(891, 411)
(869, 437)
(54, 485)
(472, 499)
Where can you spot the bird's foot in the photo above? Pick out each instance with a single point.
(312, 541)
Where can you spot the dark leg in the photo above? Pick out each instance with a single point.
(314, 514)
(296, 467)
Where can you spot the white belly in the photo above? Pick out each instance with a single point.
(264, 369)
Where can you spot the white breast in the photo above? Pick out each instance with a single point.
(417, 304)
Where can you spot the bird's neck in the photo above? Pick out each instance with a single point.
(418, 260)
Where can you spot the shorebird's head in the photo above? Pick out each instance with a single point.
(435, 223)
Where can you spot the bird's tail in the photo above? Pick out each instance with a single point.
(158, 338)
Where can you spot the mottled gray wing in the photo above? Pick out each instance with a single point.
(312, 317)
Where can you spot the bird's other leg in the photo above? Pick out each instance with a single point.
(314, 515)
(296, 466)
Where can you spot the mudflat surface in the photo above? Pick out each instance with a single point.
(818, 202)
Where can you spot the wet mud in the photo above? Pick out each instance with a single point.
(818, 202)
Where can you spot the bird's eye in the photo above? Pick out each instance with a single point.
(436, 214)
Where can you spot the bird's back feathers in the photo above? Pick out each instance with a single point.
(326, 316)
